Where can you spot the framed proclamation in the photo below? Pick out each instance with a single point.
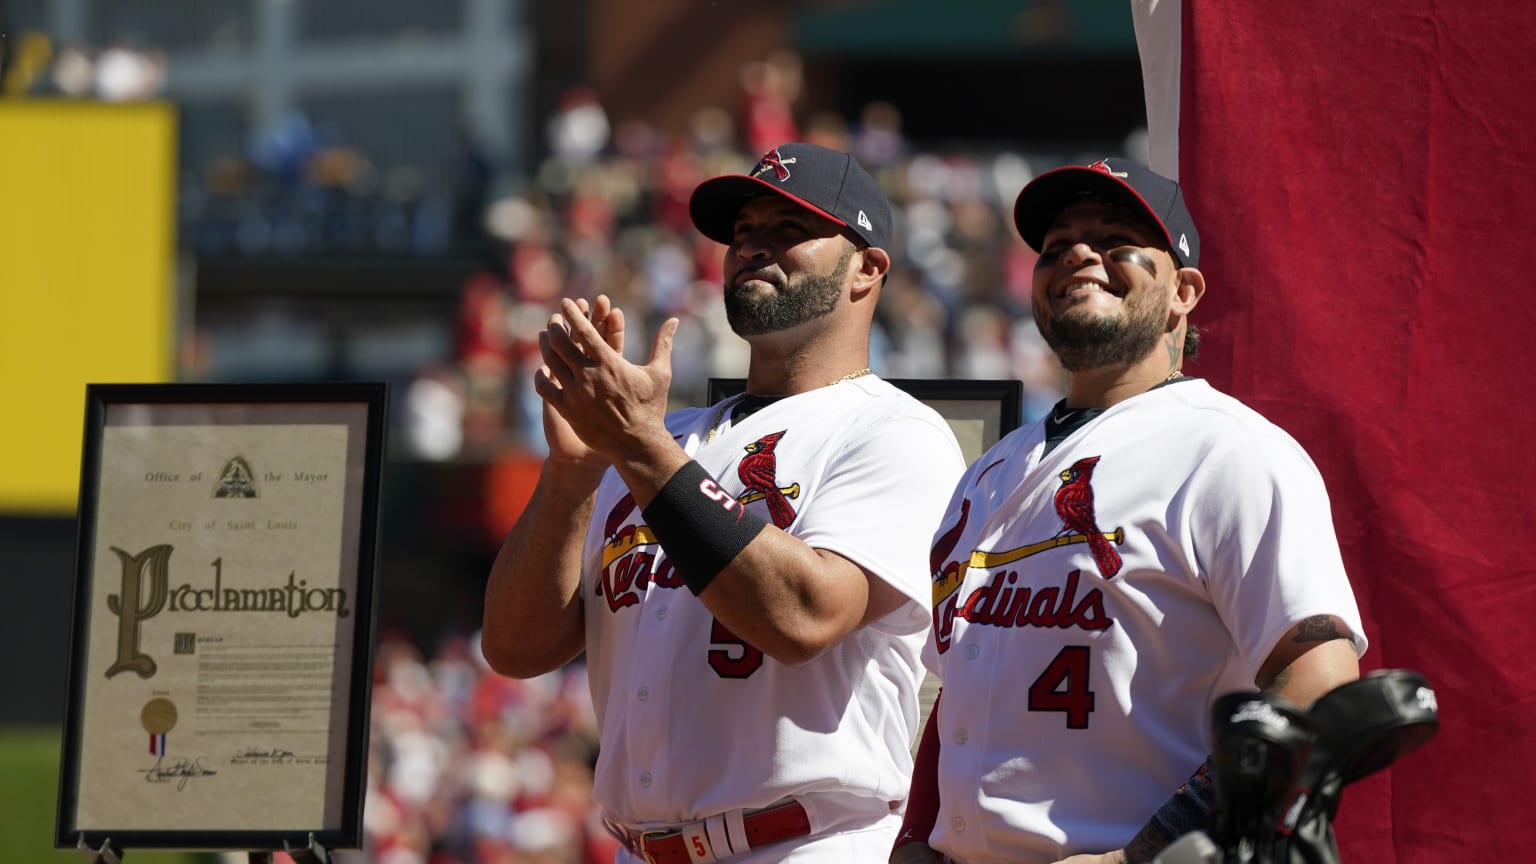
(222, 625)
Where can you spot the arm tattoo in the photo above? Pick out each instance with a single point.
(1318, 628)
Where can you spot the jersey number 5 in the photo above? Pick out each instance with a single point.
(730, 655)
(1063, 686)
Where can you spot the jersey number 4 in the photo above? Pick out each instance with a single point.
(1063, 686)
(730, 655)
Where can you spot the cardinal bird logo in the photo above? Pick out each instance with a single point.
(617, 516)
(1074, 504)
(945, 545)
(758, 472)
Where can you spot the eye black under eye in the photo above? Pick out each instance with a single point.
(1132, 255)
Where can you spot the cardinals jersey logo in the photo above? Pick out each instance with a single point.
(948, 571)
(629, 559)
(1074, 504)
(773, 160)
(759, 477)
(1012, 597)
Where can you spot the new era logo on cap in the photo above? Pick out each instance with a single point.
(828, 182)
(1127, 184)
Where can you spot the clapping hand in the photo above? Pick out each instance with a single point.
(600, 406)
(566, 448)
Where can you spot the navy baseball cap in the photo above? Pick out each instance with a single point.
(1135, 187)
(826, 182)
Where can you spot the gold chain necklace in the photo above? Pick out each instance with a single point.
(714, 424)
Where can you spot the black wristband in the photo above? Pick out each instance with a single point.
(699, 525)
(1190, 808)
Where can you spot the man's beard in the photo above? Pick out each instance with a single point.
(1084, 342)
(812, 296)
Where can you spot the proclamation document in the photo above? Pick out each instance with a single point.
(214, 694)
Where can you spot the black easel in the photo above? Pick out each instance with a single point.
(314, 853)
(107, 854)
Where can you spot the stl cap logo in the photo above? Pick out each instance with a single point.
(864, 222)
(1184, 245)
(771, 159)
(1103, 165)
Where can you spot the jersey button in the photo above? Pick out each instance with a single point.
(961, 737)
(971, 651)
(958, 824)
(645, 779)
(644, 694)
(661, 614)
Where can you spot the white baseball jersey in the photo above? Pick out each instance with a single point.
(1091, 603)
(693, 721)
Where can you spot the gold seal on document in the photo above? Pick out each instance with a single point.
(158, 716)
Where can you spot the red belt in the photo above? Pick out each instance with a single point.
(672, 846)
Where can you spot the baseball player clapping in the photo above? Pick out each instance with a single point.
(748, 580)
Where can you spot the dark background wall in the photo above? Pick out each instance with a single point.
(38, 575)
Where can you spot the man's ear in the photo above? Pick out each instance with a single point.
(873, 264)
(1189, 287)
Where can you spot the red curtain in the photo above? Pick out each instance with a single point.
(1363, 175)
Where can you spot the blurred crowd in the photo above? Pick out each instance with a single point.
(603, 208)
(607, 212)
(469, 767)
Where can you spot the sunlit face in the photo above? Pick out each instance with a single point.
(1103, 286)
(785, 266)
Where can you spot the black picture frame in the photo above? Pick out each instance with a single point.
(979, 411)
(312, 450)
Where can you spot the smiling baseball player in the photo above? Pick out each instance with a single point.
(1103, 575)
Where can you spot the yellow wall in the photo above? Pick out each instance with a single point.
(87, 283)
